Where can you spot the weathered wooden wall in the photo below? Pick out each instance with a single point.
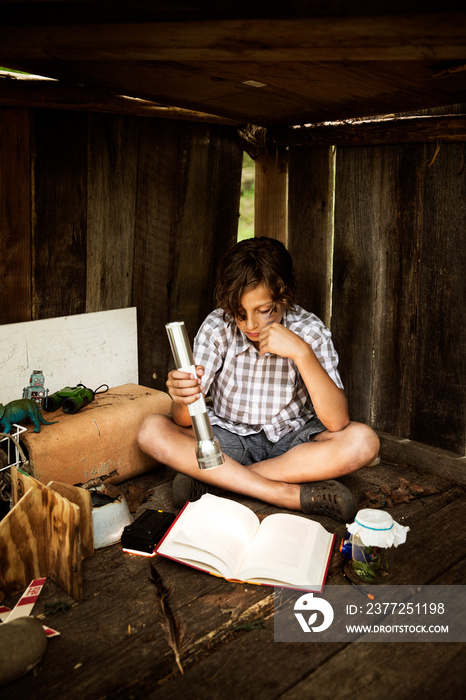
(310, 226)
(397, 299)
(107, 211)
(15, 216)
(103, 211)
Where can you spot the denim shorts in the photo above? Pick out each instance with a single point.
(248, 449)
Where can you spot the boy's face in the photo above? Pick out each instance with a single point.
(258, 311)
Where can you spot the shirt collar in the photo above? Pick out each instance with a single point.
(242, 343)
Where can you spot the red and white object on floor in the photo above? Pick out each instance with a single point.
(25, 604)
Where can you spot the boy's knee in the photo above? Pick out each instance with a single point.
(366, 444)
(361, 446)
(151, 432)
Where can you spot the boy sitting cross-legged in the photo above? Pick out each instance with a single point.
(278, 409)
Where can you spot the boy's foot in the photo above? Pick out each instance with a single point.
(185, 488)
(328, 498)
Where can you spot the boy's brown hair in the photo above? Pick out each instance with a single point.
(252, 262)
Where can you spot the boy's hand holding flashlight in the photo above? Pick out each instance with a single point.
(187, 387)
(183, 387)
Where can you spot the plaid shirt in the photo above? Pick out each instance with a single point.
(252, 392)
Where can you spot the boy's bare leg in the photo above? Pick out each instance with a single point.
(174, 446)
(275, 480)
(332, 455)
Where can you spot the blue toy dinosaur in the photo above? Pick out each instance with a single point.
(16, 411)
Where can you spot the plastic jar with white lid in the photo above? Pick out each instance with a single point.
(373, 535)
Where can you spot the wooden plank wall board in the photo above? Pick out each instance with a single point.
(398, 290)
(374, 272)
(15, 215)
(190, 287)
(225, 193)
(310, 226)
(270, 194)
(111, 205)
(206, 224)
(60, 213)
(399, 254)
(439, 402)
(158, 162)
(188, 200)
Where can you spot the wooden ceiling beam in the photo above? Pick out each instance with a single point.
(52, 94)
(384, 131)
(433, 37)
(258, 71)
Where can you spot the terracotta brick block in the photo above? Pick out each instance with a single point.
(98, 441)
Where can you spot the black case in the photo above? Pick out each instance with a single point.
(146, 531)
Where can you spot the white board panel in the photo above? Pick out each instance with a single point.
(90, 349)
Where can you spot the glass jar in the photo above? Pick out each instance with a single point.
(372, 537)
(371, 564)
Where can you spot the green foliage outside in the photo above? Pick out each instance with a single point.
(246, 207)
(12, 70)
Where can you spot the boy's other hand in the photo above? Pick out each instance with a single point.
(279, 340)
(184, 388)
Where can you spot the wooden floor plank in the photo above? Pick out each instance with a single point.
(385, 671)
(250, 666)
(113, 645)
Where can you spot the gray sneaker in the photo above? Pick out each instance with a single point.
(328, 498)
(185, 488)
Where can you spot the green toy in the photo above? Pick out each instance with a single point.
(16, 411)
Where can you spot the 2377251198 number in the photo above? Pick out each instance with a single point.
(405, 608)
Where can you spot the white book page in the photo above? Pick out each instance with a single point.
(214, 531)
(202, 560)
(288, 549)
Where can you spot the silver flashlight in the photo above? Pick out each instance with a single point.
(208, 452)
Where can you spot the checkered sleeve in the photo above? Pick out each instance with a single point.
(209, 348)
(314, 332)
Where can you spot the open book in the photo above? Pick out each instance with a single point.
(227, 539)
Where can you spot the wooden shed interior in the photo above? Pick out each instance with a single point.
(121, 149)
(121, 175)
